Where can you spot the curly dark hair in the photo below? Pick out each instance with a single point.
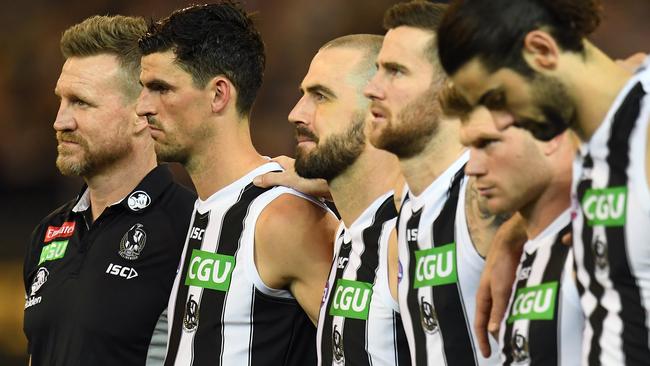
(211, 40)
(494, 30)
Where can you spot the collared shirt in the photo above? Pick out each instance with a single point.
(94, 290)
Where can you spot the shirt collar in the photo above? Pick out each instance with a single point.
(141, 197)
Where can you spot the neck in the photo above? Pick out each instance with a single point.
(540, 213)
(441, 151)
(115, 182)
(596, 84)
(224, 157)
(373, 174)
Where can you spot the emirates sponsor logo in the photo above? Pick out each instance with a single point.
(64, 231)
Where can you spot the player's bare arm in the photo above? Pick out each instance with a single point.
(294, 249)
(482, 224)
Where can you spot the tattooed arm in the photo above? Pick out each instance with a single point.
(481, 223)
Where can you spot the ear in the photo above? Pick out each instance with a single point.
(552, 146)
(540, 51)
(221, 92)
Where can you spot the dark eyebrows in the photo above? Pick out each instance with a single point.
(486, 98)
(320, 89)
(157, 84)
(392, 66)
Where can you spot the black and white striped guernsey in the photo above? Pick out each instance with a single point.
(544, 321)
(440, 271)
(221, 313)
(359, 322)
(611, 231)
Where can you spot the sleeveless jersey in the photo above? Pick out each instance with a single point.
(441, 272)
(544, 321)
(611, 231)
(359, 322)
(221, 313)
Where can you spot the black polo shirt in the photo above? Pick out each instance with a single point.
(94, 290)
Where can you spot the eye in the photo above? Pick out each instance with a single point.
(78, 102)
(496, 101)
(485, 143)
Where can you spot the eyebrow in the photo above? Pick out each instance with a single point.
(489, 94)
(392, 65)
(319, 89)
(156, 83)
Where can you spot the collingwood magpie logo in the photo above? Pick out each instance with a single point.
(337, 346)
(428, 317)
(138, 200)
(519, 345)
(599, 248)
(133, 242)
(191, 318)
(39, 280)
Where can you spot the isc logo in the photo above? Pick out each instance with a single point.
(121, 271)
(210, 270)
(435, 266)
(351, 299)
(197, 233)
(605, 206)
(535, 302)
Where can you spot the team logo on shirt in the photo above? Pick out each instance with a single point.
(435, 266)
(191, 318)
(428, 317)
(210, 270)
(351, 299)
(534, 302)
(133, 242)
(599, 248)
(519, 345)
(138, 200)
(605, 206)
(39, 280)
(337, 346)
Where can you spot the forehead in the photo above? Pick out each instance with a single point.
(162, 66)
(406, 45)
(334, 67)
(479, 123)
(88, 74)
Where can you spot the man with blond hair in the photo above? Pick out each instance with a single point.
(99, 269)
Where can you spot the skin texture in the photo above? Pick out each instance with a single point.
(200, 127)
(100, 138)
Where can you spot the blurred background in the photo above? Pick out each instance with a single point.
(30, 62)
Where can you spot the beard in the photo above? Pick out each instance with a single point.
(417, 123)
(555, 105)
(91, 160)
(331, 158)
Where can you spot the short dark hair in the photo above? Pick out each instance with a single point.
(494, 30)
(419, 14)
(210, 40)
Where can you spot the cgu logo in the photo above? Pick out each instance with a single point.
(351, 299)
(210, 270)
(534, 303)
(435, 266)
(606, 206)
(197, 233)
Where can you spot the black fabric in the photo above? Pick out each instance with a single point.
(98, 307)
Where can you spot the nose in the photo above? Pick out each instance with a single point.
(302, 112)
(373, 89)
(144, 106)
(476, 164)
(502, 119)
(64, 118)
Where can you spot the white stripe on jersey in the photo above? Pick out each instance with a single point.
(375, 342)
(592, 259)
(469, 266)
(569, 316)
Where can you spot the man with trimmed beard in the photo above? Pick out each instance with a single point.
(532, 59)
(359, 322)
(443, 231)
(99, 269)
